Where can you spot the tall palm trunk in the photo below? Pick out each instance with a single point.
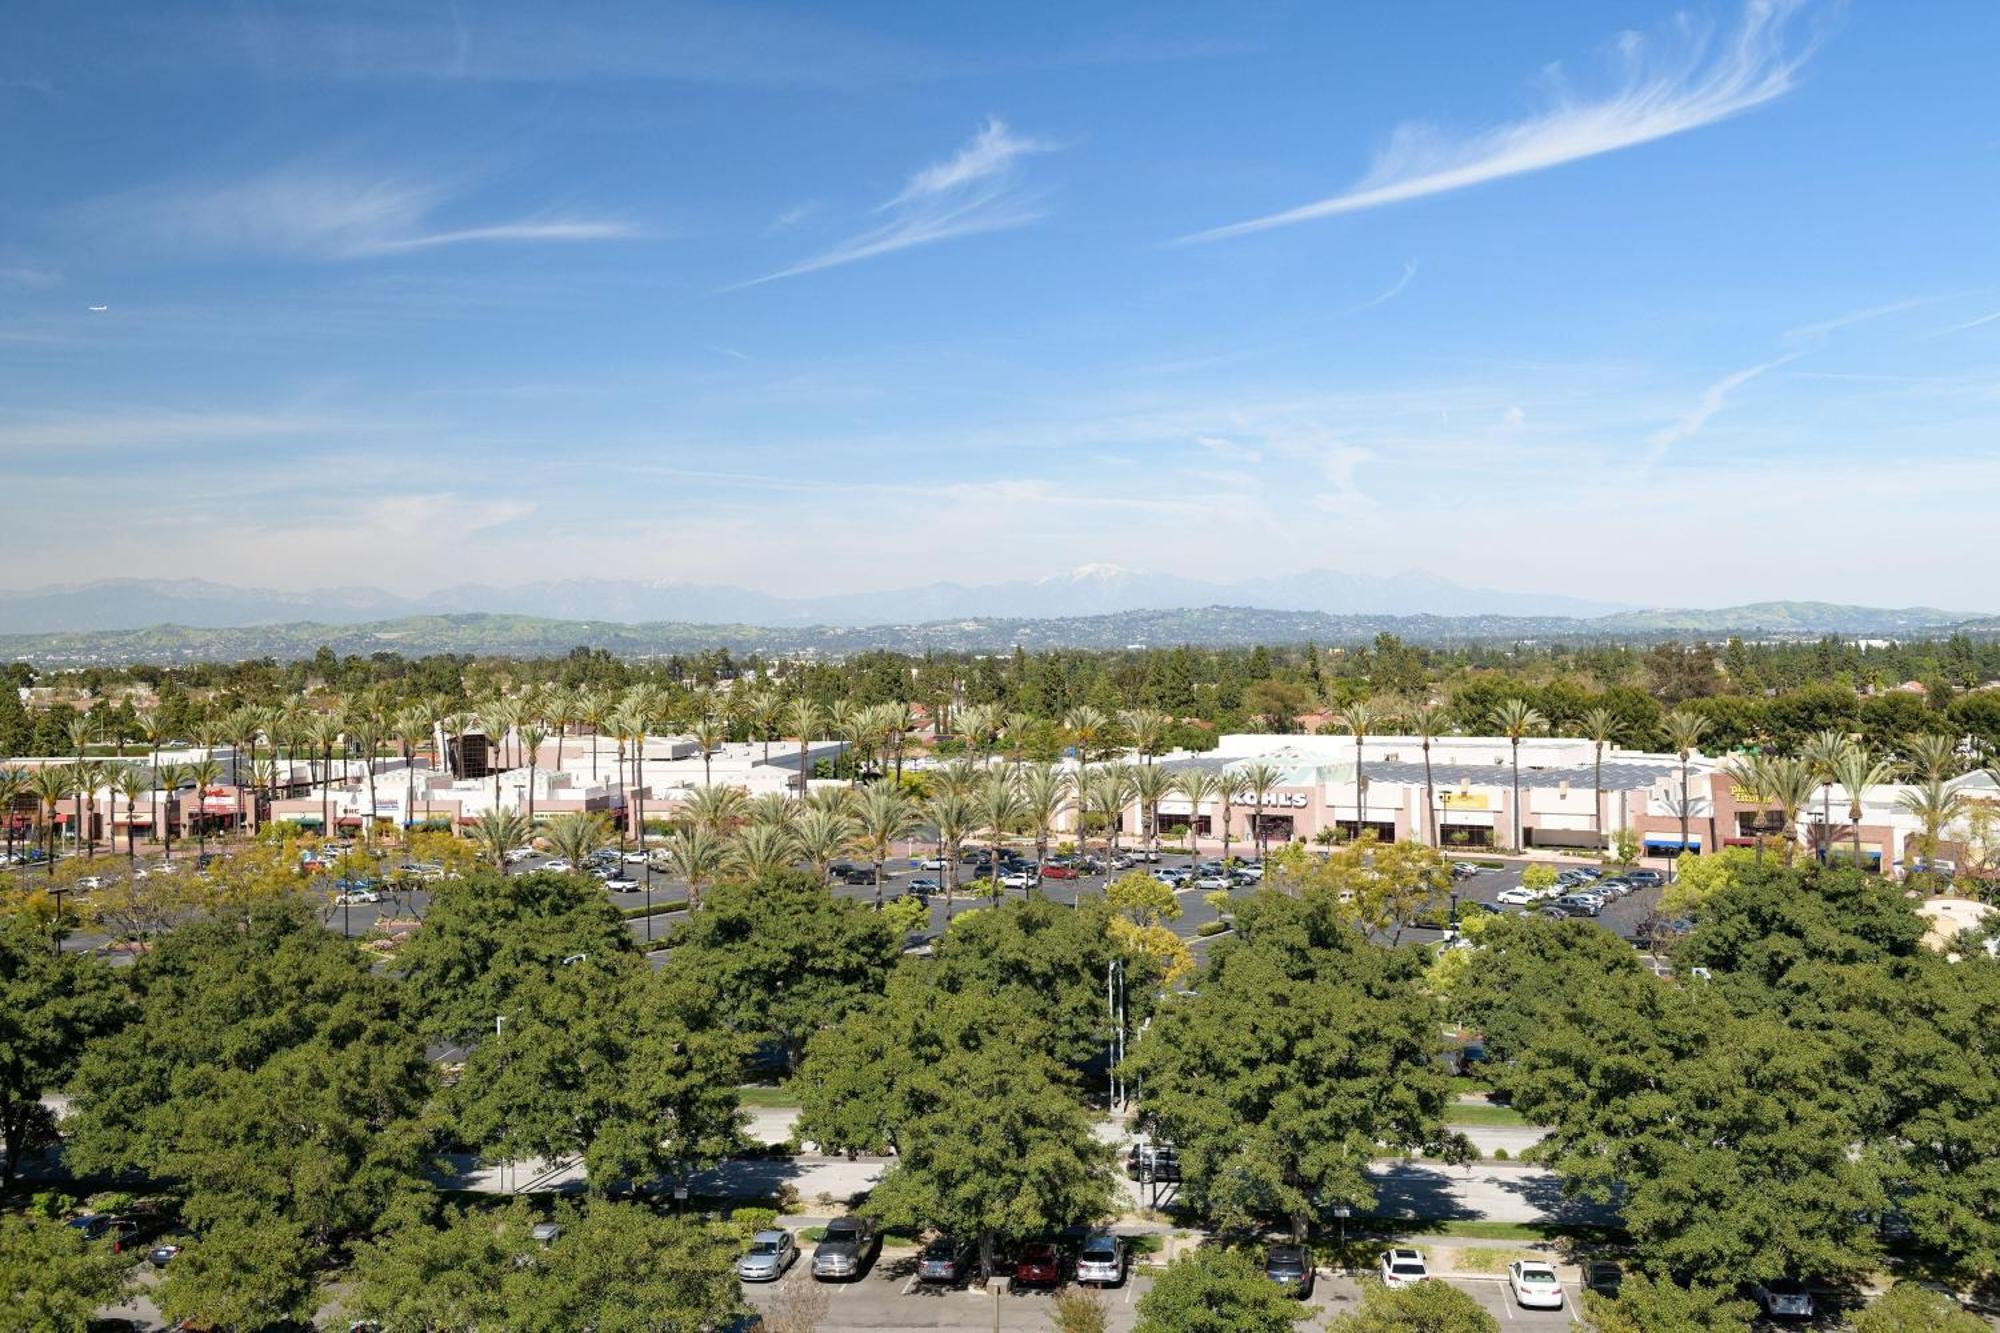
(1430, 798)
(1597, 799)
(1517, 794)
(1684, 813)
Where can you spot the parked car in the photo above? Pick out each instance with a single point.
(945, 1259)
(620, 883)
(356, 898)
(1580, 904)
(1153, 1161)
(1617, 886)
(1534, 1285)
(1056, 870)
(1646, 879)
(163, 1254)
(1517, 897)
(1215, 880)
(1018, 879)
(559, 866)
(921, 885)
(545, 1233)
(1603, 1277)
(1783, 1298)
(1291, 1267)
(1403, 1267)
(769, 1255)
(92, 1225)
(931, 862)
(1039, 1264)
(1101, 1260)
(845, 1248)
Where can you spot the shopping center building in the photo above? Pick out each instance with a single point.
(1472, 803)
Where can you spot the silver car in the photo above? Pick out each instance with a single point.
(1101, 1260)
(769, 1255)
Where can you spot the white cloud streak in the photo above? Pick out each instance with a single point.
(1968, 324)
(1656, 98)
(328, 215)
(976, 190)
(1713, 399)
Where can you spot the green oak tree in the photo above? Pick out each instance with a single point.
(51, 1278)
(1646, 1305)
(786, 958)
(1301, 1051)
(1216, 1291)
(1422, 1307)
(51, 1004)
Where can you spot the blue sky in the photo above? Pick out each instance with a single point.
(1688, 307)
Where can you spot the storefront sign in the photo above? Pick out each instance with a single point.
(1465, 800)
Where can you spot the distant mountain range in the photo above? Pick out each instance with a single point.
(516, 635)
(1094, 590)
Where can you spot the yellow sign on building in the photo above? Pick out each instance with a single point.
(1465, 800)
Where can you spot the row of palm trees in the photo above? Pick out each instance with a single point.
(80, 781)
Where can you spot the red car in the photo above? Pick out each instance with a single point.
(1039, 1265)
(1054, 871)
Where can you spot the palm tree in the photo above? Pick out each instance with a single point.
(804, 718)
(410, 726)
(1824, 752)
(533, 733)
(1427, 722)
(718, 809)
(1684, 732)
(710, 732)
(822, 835)
(1857, 772)
(1148, 729)
(1258, 780)
(1515, 719)
(762, 850)
(1110, 791)
(499, 717)
(978, 724)
(323, 732)
(761, 709)
(1789, 784)
(1933, 756)
(1748, 779)
(497, 832)
(592, 707)
(203, 773)
(150, 733)
(1600, 724)
(13, 786)
(88, 776)
(771, 809)
(364, 737)
(79, 741)
(998, 810)
(885, 814)
(573, 836)
(169, 778)
(51, 784)
(1935, 804)
(961, 777)
(134, 781)
(1232, 796)
(1044, 790)
(1360, 718)
(1151, 784)
(954, 815)
(1200, 786)
(897, 722)
(696, 855)
(1086, 726)
(559, 710)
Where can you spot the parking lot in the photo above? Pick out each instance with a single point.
(889, 1297)
(1624, 916)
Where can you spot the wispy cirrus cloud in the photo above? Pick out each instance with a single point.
(1713, 399)
(320, 214)
(1657, 96)
(977, 189)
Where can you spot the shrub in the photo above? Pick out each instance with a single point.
(1211, 928)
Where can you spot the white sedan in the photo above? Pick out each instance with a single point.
(1018, 879)
(1517, 897)
(1535, 1285)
